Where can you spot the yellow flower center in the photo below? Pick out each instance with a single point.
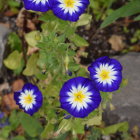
(79, 96)
(105, 74)
(28, 99)
(69, 3)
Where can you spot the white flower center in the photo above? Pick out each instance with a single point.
(27, 99)
(70, 6)
(79, 97)
(105, 74)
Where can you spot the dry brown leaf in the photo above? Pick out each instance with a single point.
(10, 13)
(20, 18)
(30, 25)
(8, 103)
(116, 42)
(4, 86)
(32, 50)
(17, 84)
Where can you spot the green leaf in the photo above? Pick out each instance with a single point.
(31, 126)
(14, 42)
(5, 131)
(13, 61)
(49, 26)
(129, 9)
(78, 129)
(42, 61)
(31, 67)
(49, 16)
(137, 18)
(82, 72)
(121, 127)
(20, 68)
(32, 38)
(52, 23)
(64, 126)
(78, 40)
(48, 131)
(97, 120)
(13, 3)
(84, 20)
(18, 138)
(14, 122)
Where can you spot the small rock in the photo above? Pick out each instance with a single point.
(4, 86)
(3, 38)
(127, 100)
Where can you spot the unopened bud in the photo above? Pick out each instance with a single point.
(68, 72)
(66, 61)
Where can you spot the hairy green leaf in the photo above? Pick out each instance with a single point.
(31, 67)
(32, 127)
(78, 40)
(121, 127)
(84, 20)
(14, 42)
(32, 38)
(47, 132)
(137, 18)
(13, 61)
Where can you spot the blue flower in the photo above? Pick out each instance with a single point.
(69, 9)
(79, 97)
(67, 116)
(37, 5)
(3, 122)
(68, 72)
(1, 115)
(29, 98)
(106, 74)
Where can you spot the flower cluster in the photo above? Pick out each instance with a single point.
(64, 9)
(79, 96)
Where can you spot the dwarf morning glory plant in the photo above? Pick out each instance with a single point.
(54, 63)
(106, 74)
(79, 97)
(29, 98)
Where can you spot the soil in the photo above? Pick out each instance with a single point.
(99, 38)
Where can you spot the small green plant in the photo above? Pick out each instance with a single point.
(54, 62)
(101, 8)
(136, 37)
(131, 8)
(11, 4)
